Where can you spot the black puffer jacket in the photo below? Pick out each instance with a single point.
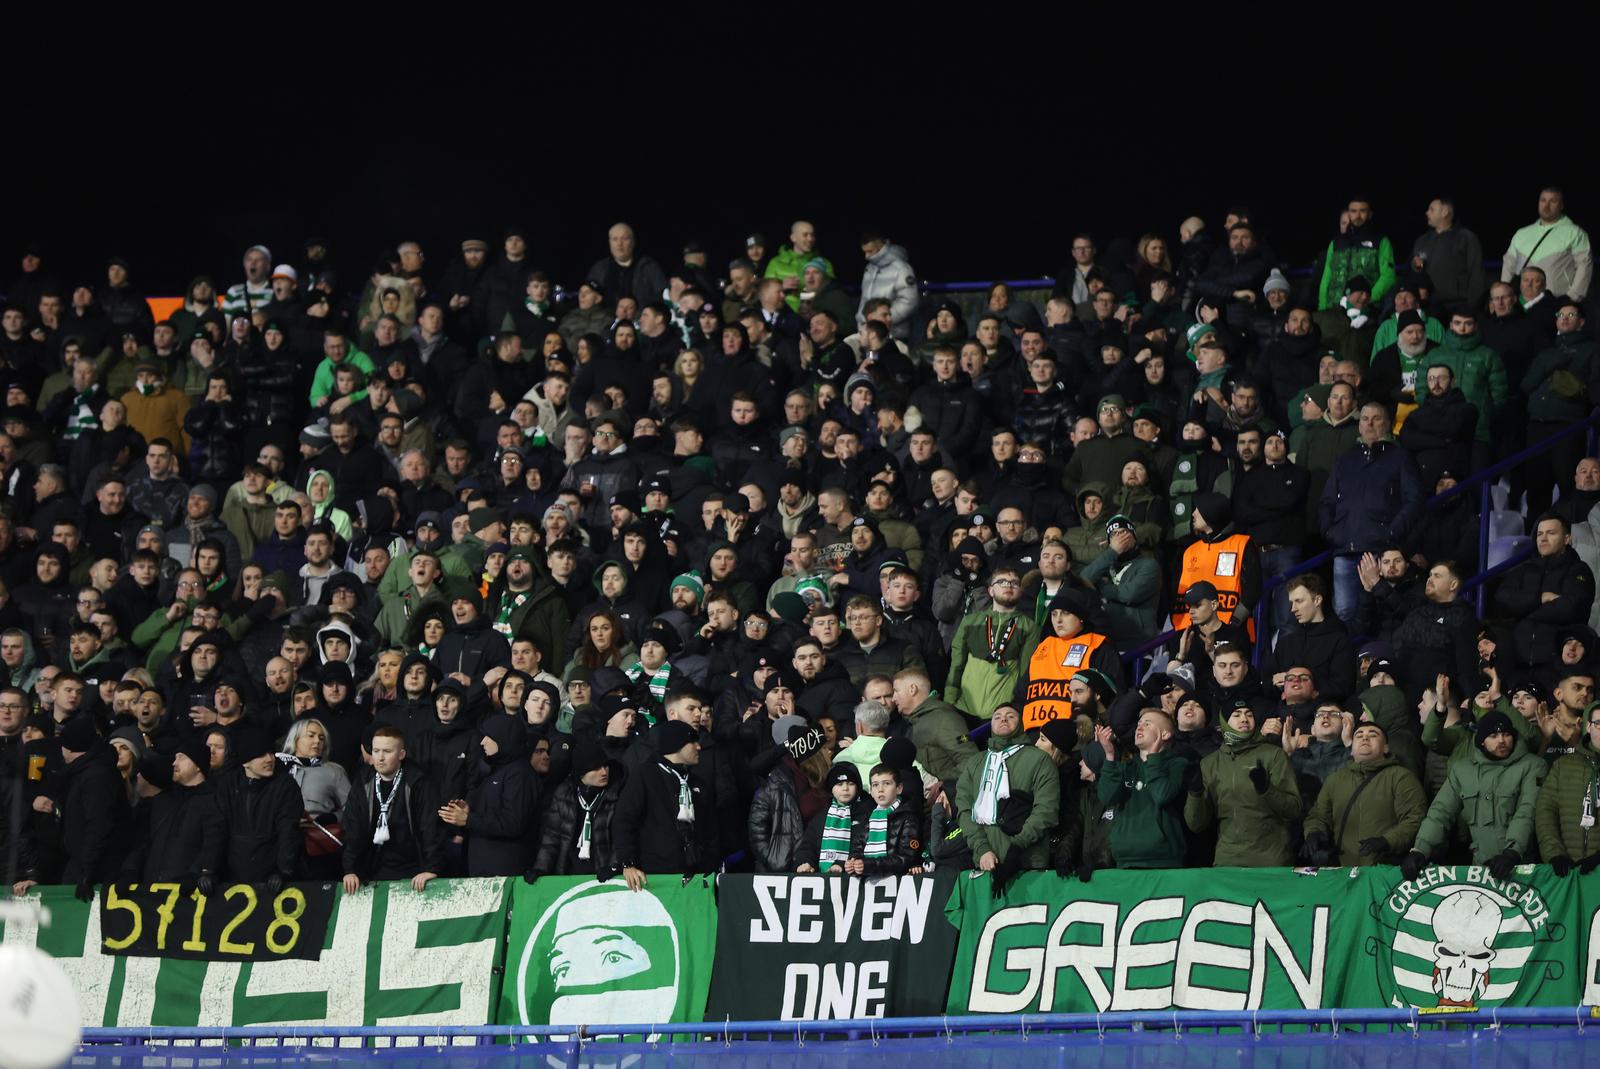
(558, 850)
(266, 378)
(953, 412)
(776, 826)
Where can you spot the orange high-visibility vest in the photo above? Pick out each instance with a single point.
(1054, 663)
(1221, 564)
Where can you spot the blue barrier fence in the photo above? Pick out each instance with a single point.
(1303, 1039)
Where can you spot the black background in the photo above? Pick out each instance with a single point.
(979, 138)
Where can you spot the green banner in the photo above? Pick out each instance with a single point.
(1239, 939)
(390, 956)
(584, 952)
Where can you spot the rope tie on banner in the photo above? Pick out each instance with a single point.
(1578, 1013)
(873, 1026)
(1255, 1025)
(1413, 1022)
(1494, 1020)
(799, 1037)
(1022, 1023)
(1333, 1022)
(949, 1036)
(1100, 1029)
(1177, 1026)
(727, 1035)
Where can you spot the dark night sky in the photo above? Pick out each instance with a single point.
(980, 147)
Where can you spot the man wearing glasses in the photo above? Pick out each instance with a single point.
(986, 659)
(1565, 814)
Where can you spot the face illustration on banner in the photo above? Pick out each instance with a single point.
(600, 954)
(1459, 939)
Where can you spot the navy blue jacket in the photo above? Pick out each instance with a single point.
(1371, 499)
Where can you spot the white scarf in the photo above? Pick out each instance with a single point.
(993, 785)
(685, 799)
(585, 834)
(380, 834)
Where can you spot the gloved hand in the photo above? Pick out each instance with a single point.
(1085, 870)
(1376, 846)
(1258, 777)
(1318, 844)
(1589, 864)
(1501, 864)
(85, 891)
(274, 884)
(1562, 864)
(1412, 864)
(1066, 868)
(1194, 781)
(531, 876)
(205, 884)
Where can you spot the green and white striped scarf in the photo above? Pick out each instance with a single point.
(82, 419)
(658, 678)
(835, 836)
(878, 830)
(993, 786)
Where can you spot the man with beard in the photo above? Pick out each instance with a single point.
(1479, 373)
(1439, 433)
(1438, 636)
(1394, 587)
(1499, 767)
(1372, 498)
(986, 656)
(1358, 249)
(1398, 368)
(1289, 363)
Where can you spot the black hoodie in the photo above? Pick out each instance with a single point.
(503, 804)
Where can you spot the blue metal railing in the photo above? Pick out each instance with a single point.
(1477, 585)
(1170, 1021)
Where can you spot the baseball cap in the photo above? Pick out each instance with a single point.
(1199, 592)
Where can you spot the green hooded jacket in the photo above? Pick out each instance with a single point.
(1494, 798)
(939, 732)
(1027, 770)
(1252, 829)
(1391, 807)
(1147, 829)
(1478, 371)
(1573, 783)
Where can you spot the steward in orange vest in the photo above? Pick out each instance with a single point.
(1069, 643)
(1224, 557)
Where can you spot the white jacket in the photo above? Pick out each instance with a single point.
(888, 275)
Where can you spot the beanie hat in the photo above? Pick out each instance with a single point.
(675, 735)
(843, 772)
(898, 753)
(803, 741)
(789, 606)
(196, 751)
(1410, 318)
(1215, 508)
(133, 738)
(784, 726)
(660, 632)
(479, 518)
(1100, 683)
(78, 734)
(813, 589)
(1275, 282)
(246, 742)
(691, 581)
(1063, 735)
(1493, 723)
(156, 769)
(1320, 393)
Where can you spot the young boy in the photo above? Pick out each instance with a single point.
(891, 847)
(839, 832)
